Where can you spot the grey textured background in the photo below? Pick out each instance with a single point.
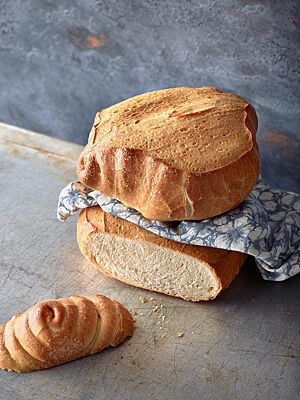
(62, 60)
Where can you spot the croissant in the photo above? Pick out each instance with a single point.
(53, 332)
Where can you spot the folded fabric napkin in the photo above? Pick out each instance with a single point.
(266, 225)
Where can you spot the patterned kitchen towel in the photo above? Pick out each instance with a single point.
(266, 225)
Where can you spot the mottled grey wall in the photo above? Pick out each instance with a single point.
(62, 60)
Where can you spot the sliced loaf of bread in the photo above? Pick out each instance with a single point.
(138, 257)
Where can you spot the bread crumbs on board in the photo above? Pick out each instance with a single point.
(143, 299)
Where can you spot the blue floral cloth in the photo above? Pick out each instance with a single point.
(266, 225)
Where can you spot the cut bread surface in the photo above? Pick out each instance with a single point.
(152, 267)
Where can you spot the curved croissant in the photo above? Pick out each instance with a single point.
(57, 331)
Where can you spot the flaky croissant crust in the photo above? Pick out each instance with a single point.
(57, 331)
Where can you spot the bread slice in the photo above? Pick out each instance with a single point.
(174, 154)
(138, 257)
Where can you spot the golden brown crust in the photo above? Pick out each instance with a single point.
(224, 264)
(53, 332)
(192, 154)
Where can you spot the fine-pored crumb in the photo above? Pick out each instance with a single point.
(143, 299)
(180, 334)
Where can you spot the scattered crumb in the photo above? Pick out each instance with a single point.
(143, 299)
(192, 333)
(180, 334)
(141, 313)
(155, 309)
(151, 299)
(161, 306)
(163, 317)
(160, 327)
(163, 335)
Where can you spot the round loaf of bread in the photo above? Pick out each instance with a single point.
(174, 154)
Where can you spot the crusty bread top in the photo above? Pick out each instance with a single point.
(196, 130)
